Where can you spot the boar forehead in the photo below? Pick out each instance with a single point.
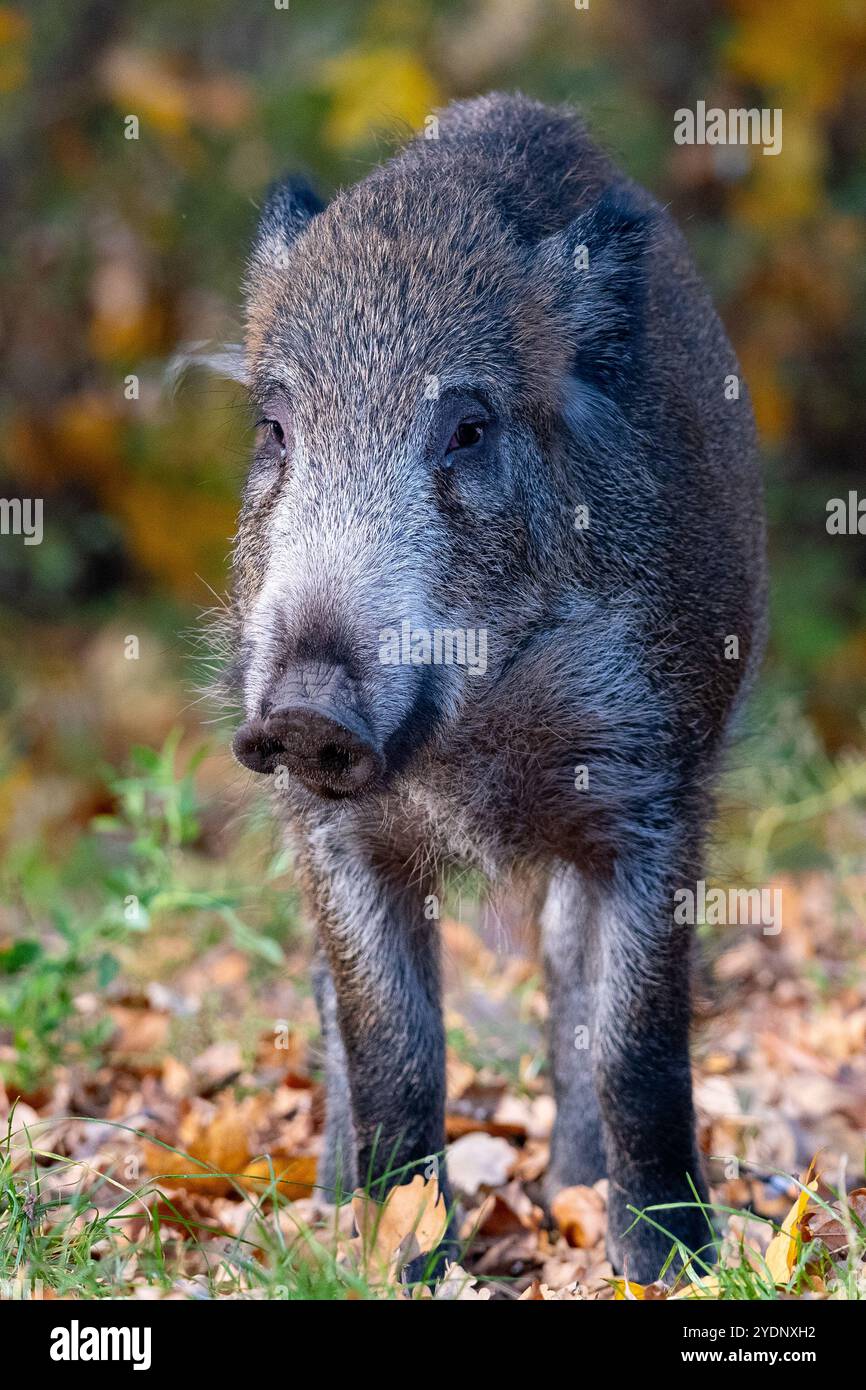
(393, 285)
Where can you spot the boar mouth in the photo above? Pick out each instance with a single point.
(418, 725)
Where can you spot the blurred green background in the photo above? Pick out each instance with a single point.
(115, 251)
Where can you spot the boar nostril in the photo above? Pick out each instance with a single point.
(334, 758)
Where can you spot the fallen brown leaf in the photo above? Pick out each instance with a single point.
(509, 1211)
(216, 1137)
(579, 1213)
(138, 1034)
(460, 1286)
(293, 1175)
(542, 1293)
(833, 1228)
(410, 1222)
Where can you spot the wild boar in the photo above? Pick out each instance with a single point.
(500, 588)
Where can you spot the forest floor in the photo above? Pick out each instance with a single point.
(163, 1096)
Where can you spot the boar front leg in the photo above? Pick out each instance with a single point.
(338, 1168)
(642, 1071)
(570, 965)
(382, 990)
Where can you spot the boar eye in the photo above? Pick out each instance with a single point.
(467, 434)
(275, 433)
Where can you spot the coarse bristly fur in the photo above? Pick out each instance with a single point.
(506, 270)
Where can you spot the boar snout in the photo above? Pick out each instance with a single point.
(311, 726)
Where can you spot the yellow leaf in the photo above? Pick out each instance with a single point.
(295, 1177)
(143, 83)
(786, 187)
(782, 1250)
(625, 1291)
(799, 50)
(373, 87)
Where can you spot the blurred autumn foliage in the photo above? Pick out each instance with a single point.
(116, 250)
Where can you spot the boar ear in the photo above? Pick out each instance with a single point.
(597, 266)
(289, 207)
